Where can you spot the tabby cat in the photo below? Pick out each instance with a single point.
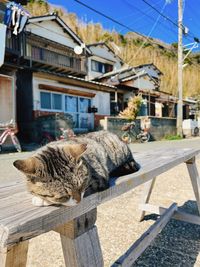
(63, 171)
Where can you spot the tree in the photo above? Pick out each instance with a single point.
(133, 108)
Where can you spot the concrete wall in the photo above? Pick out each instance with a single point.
(158, 127)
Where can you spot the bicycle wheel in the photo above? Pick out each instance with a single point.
(126, 137)
(145, 137)
(196, 131)
(16, 143)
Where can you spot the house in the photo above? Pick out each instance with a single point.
(52, 78)
(144, 79)
(102, 60)
(10, 52)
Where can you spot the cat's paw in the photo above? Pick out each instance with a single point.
(39, 202)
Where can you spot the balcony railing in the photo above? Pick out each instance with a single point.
(54, 59)
(13, 43)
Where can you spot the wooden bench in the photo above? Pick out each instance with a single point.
(20, 221)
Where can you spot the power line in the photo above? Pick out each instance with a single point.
(147, 15)
(152, 29)
(166, 17)
(110, 18)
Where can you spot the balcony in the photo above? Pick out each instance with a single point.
(43, 54)
(13, 43)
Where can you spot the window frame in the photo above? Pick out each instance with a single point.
(64, 110)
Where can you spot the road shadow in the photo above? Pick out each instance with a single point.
(177, 245)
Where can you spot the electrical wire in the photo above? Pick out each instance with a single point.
(152, 29)
(151, 18)
(110, 18)
(166, 17)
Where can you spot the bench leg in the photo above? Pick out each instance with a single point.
(195, 179)
(80, 242)
(15, 256)
(146, 195)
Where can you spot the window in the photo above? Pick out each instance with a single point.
(84, 104)
(56, 101)
(45, 100)
(71, 103)
(74, 105)
(101, 67)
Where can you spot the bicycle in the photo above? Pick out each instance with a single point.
(65, 134)
(9, 131)
(131, 132)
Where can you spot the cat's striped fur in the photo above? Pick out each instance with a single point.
(64, 170)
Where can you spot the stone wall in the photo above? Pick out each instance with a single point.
(158, 127)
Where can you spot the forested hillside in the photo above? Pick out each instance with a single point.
(132, 49)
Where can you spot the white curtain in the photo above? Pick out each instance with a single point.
(2, 42)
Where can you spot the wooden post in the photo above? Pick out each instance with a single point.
(15, 256)
(80, 242)
(145, 240)
(194, 176)
(146, 195)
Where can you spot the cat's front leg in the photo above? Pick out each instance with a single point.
(39, 202)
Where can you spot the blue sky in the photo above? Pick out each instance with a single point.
(137, 15)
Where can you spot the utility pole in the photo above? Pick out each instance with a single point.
(179, 119)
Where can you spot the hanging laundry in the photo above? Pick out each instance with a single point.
(19, 11)
(15, 17)
(3, 28)
(23, 21)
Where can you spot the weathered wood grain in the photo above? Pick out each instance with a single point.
(148, 187)
(78, 226)
(84, 251)
(16, 256)
(144, 241)
(20, 220)
(194, 176)
(178, 215)
(80, 241)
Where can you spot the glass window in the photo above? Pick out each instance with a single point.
(84, 104)
(75, 120)
(71, 103)
(45, 100)
(84, 121)
(101, 67)
(94, 65)
(56, 101)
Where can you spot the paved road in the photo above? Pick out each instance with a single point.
(8, 172)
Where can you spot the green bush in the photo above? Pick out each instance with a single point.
(173, 137)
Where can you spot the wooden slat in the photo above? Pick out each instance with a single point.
(66, 90)
(84, 251)
(145, 240)
(80, 241)
(16, 256)
(195, 180)
(178, 215)
(22, 221)
(146, 195)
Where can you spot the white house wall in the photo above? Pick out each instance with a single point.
(101, 99)
(104, 55)
(52, 31)
(104, 52)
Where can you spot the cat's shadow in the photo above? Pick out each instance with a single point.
(177, 245)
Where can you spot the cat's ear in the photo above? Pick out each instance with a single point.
(28, 166)
(76, 150)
